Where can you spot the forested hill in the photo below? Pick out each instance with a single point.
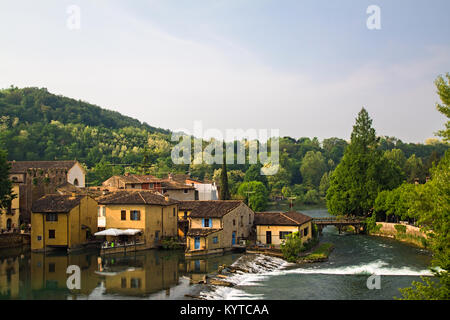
(39, 125)
(32, 105)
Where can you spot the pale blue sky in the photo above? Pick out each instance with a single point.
(304, 67)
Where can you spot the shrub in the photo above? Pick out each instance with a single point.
(170, 244)
(292, 247)
(400, 228)
(371, 224)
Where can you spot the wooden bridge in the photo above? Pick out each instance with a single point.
(339, 223)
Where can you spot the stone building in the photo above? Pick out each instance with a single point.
(37, 178)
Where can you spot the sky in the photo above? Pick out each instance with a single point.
(305, 68)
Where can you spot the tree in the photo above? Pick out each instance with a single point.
(6, 193)
(253, 173)
(313, 167)
(362, 173)
(443, 90)
(324, 184)
(414, 169)
(431, 206)
(255, 194)
(224, 191)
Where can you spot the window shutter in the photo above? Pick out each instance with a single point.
(203, 223)
(210, 223)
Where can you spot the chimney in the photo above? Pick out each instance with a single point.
(170, 176)
(127, 174)
(166, 197)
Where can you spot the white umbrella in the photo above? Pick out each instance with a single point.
(110, 232)
(131, 232)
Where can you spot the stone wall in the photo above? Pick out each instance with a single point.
(9, 240)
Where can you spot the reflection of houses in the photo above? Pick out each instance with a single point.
(9, 277)
(153, 214)
(9, 217)
(140, 274)
(174, 189)
(215, 226)
(273, 227)
(37, 178)
(49, 274)
(63, 221)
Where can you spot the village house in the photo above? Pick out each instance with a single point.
(9, 217)
(174, 189)
(37, 178)
(216, 226)
(63, 221)
(273, 227)
(152, 215)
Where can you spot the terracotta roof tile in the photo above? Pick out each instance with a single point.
(135, 197)
(56, 203)
(209, 208)
(291, 218)
(23, 166)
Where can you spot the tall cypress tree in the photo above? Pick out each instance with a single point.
(6, 194)
(362, 173)
(224, 190)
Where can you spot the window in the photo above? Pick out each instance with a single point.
(51, 234)
(283, 234)
(207, 223)
(75, 182)
(174, 212)
(305, 232)
(51, 267)
(234, 222)
(123, 283)
(249, 219)
(215, 240)
(51, 217)
(185, 215)
(151, 185)
(135, 215)
(186, 190)
(123, 215)
(135, 283)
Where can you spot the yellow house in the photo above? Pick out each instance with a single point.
(273, 227)
(62, 221)
(9, 218)
(154, 215)
(9, 278)
(144, 274)
(49, 274)
(216, 226)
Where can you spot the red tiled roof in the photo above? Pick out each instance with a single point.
(135, 197)
(209, 208)
(23, 166)
(291, 218)
(56, 203)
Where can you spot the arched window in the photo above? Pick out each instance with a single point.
(75, 182)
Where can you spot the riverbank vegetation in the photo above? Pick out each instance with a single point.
(319, 254)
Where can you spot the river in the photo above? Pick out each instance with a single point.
(156, 274)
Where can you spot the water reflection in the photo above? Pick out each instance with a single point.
(142, 274)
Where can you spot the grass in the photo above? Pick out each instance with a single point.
(321, 253)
